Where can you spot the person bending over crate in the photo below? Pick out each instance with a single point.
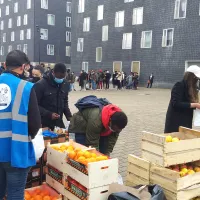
(97, 124)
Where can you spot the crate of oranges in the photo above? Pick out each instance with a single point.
(86, 165)
(43, 192)
(75, 191)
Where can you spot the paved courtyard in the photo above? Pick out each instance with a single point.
(146, 110)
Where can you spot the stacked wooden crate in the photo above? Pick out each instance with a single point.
(76, 181)
(37, 174)
(157, 158)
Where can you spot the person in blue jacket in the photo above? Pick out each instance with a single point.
(19, 123)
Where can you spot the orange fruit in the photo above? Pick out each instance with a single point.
(54, 198)
(87, 154)
(38, 197)
(77, 149)
(93, 155)
(27, 195)
(71, 147)
(37, 191)
(46, 198)
(81, 159)
(80, 153)
(45, 192)
(72, 154)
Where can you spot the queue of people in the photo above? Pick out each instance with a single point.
(30, 99)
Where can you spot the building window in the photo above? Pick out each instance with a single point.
(2, 51)
(86, 24)
(21, 34)
(68, 22)
(137, 15)
(19, 47)
(10, 23)
(98, 54)
(28, 34)
(25, 48)
(12, 36)
(180, 9)
(4, 37)
(85, 66)
(51, 19)
(146, 39)
(16, 7)
(68, 36)
(44, 4)
(127, 1)
(167, 39)
(2, 25)
(117, 66)
(25, 19)
(80, 44)
(68, 7)
(28, 4)
(9, 48)
(127, 41)
(68, 51)
(100, 12)
(19, 21)
(43, 34)
(1, 1)
(119, 19)
(7, 10)
(50, 49)
(104, 33)
(135, 66)
(81, 6)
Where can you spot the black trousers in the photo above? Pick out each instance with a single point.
(107, 84)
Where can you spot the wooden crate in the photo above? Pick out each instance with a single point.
(45, 187)
(173, 184)
(187, 194)
(100, 193)
(96, 174)
(55, 184)
(156, 150)
(138, 171)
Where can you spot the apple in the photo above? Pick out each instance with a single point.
(168, 138)
(190, 167)
(183, 166)
(184, 170)
(182, 174)
(197, 169)
(175, 139)
(191, 172)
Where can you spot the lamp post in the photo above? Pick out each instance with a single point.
(38, 30)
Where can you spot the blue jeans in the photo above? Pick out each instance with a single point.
(94, 85)
(72, 87)
(12, 182)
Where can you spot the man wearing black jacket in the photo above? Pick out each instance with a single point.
(52, 94)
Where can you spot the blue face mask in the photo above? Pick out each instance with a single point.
(59, 80)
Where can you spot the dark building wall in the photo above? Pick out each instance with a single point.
(22, 10)
(167, 63)
(38, 16)
(56, 34)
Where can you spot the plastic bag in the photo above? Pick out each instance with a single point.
(38, 144)
(120, 180)
(197, 117)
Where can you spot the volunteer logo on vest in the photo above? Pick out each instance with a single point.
(5, 96)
